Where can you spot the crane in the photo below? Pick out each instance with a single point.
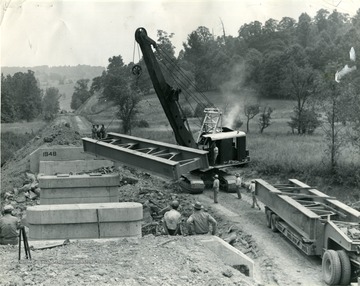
(231, 144)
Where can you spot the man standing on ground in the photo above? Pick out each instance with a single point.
(238, 185)
(254, 199)
(199, 222)
(172, 219)
(216, 186)
(9, 226)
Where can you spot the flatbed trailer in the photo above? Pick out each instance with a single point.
(317, 224)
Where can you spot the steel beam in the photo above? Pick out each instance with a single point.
(164, 159)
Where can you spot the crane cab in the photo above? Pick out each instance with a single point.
(231, 145)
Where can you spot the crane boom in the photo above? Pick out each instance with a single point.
(167, 95)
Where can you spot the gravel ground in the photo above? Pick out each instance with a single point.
(150, 260)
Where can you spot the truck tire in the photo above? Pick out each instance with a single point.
(345, 267)
(274, 218)
(268, 218)
(331, 267)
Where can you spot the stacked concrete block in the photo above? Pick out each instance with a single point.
(74, 160)
(85, 221)
(77, 189)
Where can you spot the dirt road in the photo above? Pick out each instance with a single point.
(77, 123)
(278, 262)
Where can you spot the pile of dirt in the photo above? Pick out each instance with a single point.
(62, 135)
(146, 261)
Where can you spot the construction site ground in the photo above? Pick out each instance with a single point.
(154, 259)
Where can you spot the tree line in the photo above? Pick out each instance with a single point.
(22, 99)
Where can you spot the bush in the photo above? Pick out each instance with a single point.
(305, 122)
(143, 124)
(187, 112)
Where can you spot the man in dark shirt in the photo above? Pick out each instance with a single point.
(199, 221)
(9, 226)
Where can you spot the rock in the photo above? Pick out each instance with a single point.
(48, 139)
(227, 273)
(21, 198)
(101, 272)
(28, 282)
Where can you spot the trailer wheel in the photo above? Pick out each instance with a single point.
(345, 267)
(274, 219)
(268, 218)
(331, 267)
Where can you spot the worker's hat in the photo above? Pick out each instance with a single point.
(8, 208)
(252, 181)
(237, 175)
(197, 206)
(216, 176)
(175, 204)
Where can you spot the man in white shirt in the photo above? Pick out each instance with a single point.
(254, 199)
(216, 187)
(238, 182)
(172, 219)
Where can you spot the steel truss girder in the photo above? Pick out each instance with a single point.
(164, 159)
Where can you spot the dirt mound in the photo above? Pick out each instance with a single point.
(147, 261)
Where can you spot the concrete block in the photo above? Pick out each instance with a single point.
(74, 166)
(227, 253)
(84, 213)
(77, 181)
(75, 189)
(84, 221)
(57, 153)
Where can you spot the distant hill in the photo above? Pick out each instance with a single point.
(58, 72)
(61, 77)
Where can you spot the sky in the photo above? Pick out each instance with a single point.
(69, 32)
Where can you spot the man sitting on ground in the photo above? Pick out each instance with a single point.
(9, 226)
(172, 219)
(200, 221)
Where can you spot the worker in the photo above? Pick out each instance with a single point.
(216, 186)
(252, 191)
(102, 131)
(199, 222)
(93, 132)
(9, 226)
(172, 219)
(238, 182)
(98, 133)
(216, 153)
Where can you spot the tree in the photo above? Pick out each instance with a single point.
(265, 118)
(8, 113)
(127, 102)
(81, 93)
(250, 112)
(299, 83)
(50, 103)
(116, 85)
(303, 30)
(27, 95)
(331, 101)
(199, 50)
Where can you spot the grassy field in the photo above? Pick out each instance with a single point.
(23, 127)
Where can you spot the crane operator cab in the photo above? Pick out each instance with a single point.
(227, 147)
